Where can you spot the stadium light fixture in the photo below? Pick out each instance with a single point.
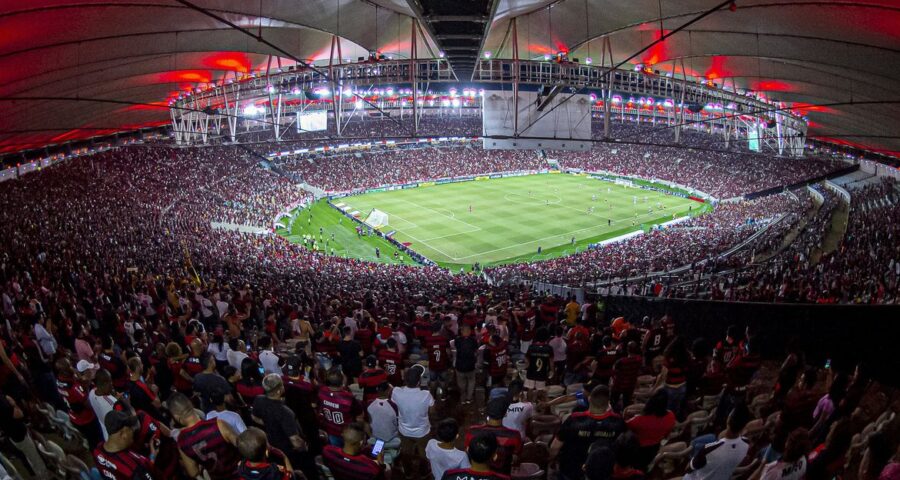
(452, 92)
(390, 92)
(271, 88)
(250, 111)
(546, 57)
(487, 55)
(359, 104)
(295, 91)
(441, 54)
(588, 60)
(455, 102)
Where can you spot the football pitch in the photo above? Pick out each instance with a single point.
(507, 220)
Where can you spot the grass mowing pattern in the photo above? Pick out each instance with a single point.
(509, 218)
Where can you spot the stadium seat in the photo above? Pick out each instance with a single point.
(699, 421)
(527, 471)
(537, 453)
(671, 458)
(632, 410)
(555, 391)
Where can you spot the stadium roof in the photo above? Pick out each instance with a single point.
(138, 54)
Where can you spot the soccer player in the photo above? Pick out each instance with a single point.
(337, 406)
(540, 361)
(205, 444)
(509, 441)
(115, 458)
(582, 429)
(349, 462)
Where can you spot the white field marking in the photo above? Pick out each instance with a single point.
(414, 224)
(542, 239)
(441, 214)
(535, 201)
(427, 245)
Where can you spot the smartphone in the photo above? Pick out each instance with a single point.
(261, 370)
(827, 364)
(379, 445)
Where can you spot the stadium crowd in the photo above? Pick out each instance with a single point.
(175, 349)
(720, 174)
(337, 173)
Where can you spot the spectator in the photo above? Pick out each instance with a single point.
(255, 465)
(209, 383)
(442, 452)
(651, 427)
(206, 445)
(413, 407)
(673, 377)
(509, 441)
(792, 464)
(625, 374)
(582, 429)
(337, 406)
(12, 421)
(115, 458)
(384, 421)
(520, 410)
(280, 425)
(540, 361)
(140, 395)
(268, 358)
(349, 462)
(72, 388)
(719, 459)
(465, 348)
(481, 451)
(102, 398)
(220, 411)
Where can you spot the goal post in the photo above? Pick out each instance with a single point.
(377, 219)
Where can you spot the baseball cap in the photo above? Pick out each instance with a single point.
(116, 420)
(84, 365)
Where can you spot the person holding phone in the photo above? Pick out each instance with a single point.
(350, 462)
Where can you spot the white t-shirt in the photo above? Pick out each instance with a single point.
(413, 405)
(235, 358)
(229, 417)
(220, 355)
(442, 459)
(269, 361)
(383, 413)
(784, 471)
(101, 404)
(722, 457)
(517, 416)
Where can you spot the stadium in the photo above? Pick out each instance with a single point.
(450, 240)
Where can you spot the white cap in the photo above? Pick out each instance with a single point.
(84, 365)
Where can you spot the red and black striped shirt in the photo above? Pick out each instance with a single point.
(350, 467)
(509, 444)
(203, 443)
(124, 465)
(369, 380)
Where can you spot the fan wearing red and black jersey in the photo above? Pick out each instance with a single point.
(496, 359)
(391, 361)
(350, 462)
(115, 458)
(540, 361)
(256, 463)
(205, 444)
(582, 429)
(337, 406)
(438, 347)
(481, 451)
(509, 441)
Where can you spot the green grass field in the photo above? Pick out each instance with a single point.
(509, 218)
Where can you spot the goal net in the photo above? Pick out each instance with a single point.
(377, 219)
